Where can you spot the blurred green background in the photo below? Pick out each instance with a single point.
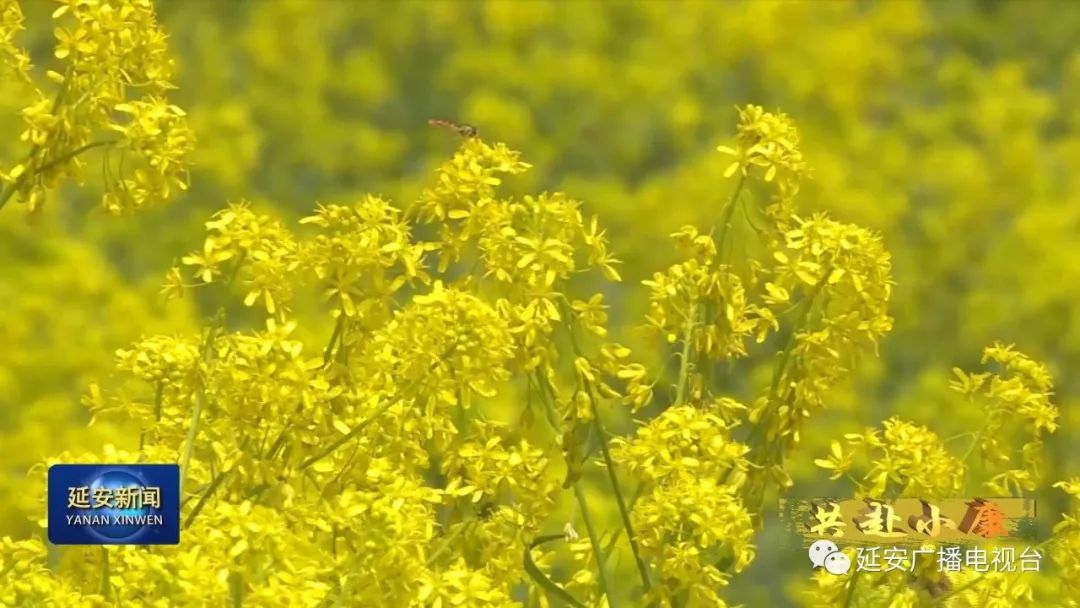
(951, 128)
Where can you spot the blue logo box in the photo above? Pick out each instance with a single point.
(114, 504)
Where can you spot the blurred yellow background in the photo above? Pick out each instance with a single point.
(951, 128)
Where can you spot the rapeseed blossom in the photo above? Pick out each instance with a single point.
(426, 405)
(12, 57)
(114, 69)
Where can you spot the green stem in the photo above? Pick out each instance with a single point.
(800, 323)
(214, 485)
(684, 363)
(8, 191)
(851, 589)
(549, 415)
(236, 589)
(193, 431)
(232, 278)
(343, 592)
(444, 546)
(624, 512)
(781, 368)
(335, 337)
(594, 540)
(609, 463)
(394, 400)
(974, 443)
(278, 442)
(541, 579)
(762, 453)
(749, 220)
(158, 390)
(13, 187)
(63, 158)
(728, 213)
(615, 537)
(200, 398)
(104, 583)
(219, 322)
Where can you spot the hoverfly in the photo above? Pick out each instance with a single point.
(463, 130)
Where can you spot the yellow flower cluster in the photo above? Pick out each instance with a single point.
(689, 510)
(428, 451)
(114, 70)
(687, 528)
(447, 343)
(841, 274)
(1017, 411)
(1066, 549)
(685, 441)
(705, 303)
(501, 489)
(357, 254)
(469, 416)
(373, 446)
(465, 192)
(12, 57)
(768, 141)
(258, 246)
(905, 459)
(460, 586)
(25, 580)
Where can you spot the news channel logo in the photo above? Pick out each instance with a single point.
(114, 504)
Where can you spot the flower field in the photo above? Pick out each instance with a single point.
(537, 303)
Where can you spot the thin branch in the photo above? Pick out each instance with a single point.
(541, 579)
(204, 498)
(394, 400)
(14, 186)
(684, 363)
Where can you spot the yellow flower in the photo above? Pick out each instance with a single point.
(766, 140)
(206, 263)
(838, 461)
